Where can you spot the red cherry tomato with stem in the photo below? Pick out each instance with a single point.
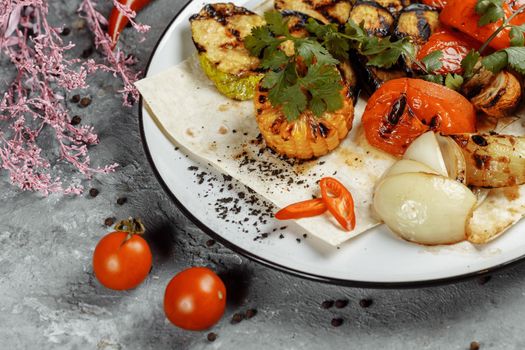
(122, 259)
(195, 299)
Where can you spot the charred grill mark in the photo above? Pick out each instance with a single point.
(262, 89)
(434, 122)
(397, 110)
(230, 45)
(479, 140)
(384, 29)
(481, 161)
(276, 125)
(422, 25)
(495, 99)
(461, 140)
(199, 47)
(262, 99)
(220, 12)
(235, 33)
(474, 91)
(259, 110)
(323, 130)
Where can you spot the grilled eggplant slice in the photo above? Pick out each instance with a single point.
(308, 136)
(376, 20)
(418, 22)
(493, 160)
(500, 97)
(371, 78)
(325, 11)
(218, 31)
(394, 6)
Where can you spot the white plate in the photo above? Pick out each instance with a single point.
(374, 259)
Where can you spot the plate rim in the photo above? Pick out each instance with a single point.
(268, 263)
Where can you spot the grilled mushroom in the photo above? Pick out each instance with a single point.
(218, 31)
(326, 11)
(493, 160)
(500, 96)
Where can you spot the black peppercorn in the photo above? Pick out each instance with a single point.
(212, 336)
(365, 302)
(327, 304)
(250, 313)
(336, 322)
(236, 318)
(109, 222)
(93, 192)
(341, 303)
(84, 102)
(66, 31)
(76, 120)
(75, 98)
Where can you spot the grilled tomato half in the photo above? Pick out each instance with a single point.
(308, 136)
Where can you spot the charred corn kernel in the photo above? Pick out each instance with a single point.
(308, 136)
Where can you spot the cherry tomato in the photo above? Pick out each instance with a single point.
(439, 4)
(121, 261)
(312, 207)
(454, 46)
(402, 109)
(461, 14)
(339, 202)
(117, 21)
(195, 299)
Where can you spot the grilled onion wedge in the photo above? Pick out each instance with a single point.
(308, 136)
(218, 32)
(493, 160)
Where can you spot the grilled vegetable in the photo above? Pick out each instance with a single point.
(373, 77)
(376, 19)
(394, 6)
(403, 109)
(326, 11)
(424, 208)
(500, 97)
(308, 136)
(493, 160)
(218, 31)
(418, 22)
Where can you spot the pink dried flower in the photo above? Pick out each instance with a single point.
(32, 105)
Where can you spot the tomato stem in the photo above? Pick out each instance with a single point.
(133, 226)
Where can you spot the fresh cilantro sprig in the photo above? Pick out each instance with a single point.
(302, 73)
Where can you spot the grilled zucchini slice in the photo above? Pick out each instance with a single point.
(418, 22)
(376, 20)
(218, 31)
(308, 136)
(372, 78)
(325, 11)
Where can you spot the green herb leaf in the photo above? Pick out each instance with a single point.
(323, 82)
(308, 49)
(276, 23)
(469, 62)
(274, 60)
(453, 81)
(516, 35)
(432, 61)
(294, 103)
(259, 39)
(495, 62)
(516, 58)
(433, 78)
(490, 10)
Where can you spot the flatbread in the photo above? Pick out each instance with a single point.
(224, 133)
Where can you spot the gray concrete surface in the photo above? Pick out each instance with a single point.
(49, 298)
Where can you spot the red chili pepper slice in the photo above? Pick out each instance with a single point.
(304, 209)
(339, 202)
(117, 21)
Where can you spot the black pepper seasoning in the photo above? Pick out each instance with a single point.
(365, 303)
(327, 304)
(474, 345)
(341, 303)
(87, 52)
(121, 200)
(336, 322)
(75, 98)
(93, 192)
(84, 102)
(109, 222)
(212, 336)
(210, 242)
(250, 313)
(75, 120)
(66, 31)
(236, 318)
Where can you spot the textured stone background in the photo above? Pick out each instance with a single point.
(49, 298)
